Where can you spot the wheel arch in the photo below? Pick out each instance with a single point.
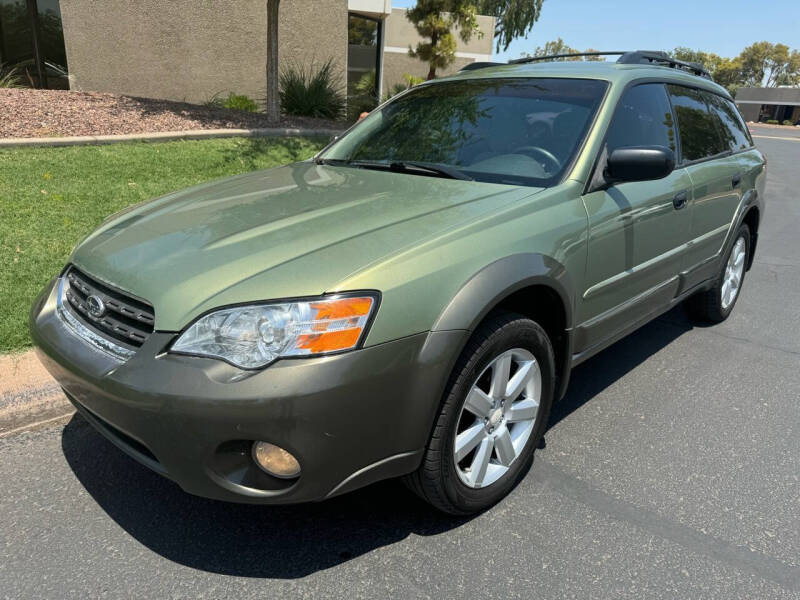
(534, 285)
(751, 218)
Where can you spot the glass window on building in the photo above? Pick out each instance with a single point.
(32, 41)
(363, 63)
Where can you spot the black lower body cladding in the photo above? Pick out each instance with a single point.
(350, 419)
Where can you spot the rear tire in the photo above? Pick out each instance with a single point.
(716, 304)
(493, 416)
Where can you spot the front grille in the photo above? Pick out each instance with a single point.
(123, 318)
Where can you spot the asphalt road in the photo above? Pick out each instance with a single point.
(762, 131)
(671, 470)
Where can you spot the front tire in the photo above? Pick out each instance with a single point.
(716, 304)
(494, 414)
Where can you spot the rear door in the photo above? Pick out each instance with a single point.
(637, 230)
(707, 152)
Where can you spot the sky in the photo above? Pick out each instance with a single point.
(724, 27)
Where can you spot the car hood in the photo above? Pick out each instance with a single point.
(287, 232)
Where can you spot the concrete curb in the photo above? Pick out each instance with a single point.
(165, 136)
(28, 395)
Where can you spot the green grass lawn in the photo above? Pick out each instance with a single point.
(51, 197)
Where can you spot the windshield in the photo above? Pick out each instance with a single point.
(517, 131)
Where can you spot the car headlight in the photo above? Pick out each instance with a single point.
(255, 335)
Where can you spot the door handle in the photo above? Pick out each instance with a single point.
(679, 201)
(736, 180)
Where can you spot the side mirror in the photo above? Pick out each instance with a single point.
(639, 163)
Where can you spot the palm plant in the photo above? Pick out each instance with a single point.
(9, 77)
(312, 92)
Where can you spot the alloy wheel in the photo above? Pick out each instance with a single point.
(497, 418)
(734, 271)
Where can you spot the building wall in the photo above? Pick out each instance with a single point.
(189, 50)
(749, 111)
(776, 95)
(750, 101)
(400, 34)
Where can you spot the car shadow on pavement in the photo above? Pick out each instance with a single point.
(284, 542)
(289, 542)
(600, 371)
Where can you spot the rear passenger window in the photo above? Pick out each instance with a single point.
(698, 129)
(732, 129)
(643, 118)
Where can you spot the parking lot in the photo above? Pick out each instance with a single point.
(671, 469)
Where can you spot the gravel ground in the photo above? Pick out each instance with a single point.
(56, 113)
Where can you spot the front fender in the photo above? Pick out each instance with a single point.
(500, 279)
(497, 281)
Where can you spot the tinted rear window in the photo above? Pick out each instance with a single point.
(518, 131)
(699, 133)
(732, 129)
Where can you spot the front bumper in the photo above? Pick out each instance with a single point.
(350, 419)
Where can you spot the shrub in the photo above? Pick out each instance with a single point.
(311, 92)
(233, 101)
(240, 102)
(787, 122)
(772, 121)
(9, 77)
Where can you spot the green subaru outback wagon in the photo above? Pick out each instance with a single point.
(411, 301)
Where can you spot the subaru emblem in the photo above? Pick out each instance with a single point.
(95, 306)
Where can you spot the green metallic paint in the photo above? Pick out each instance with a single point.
(294, 231)
(188, 413)
(308, 229)
(635, 235)
(441, 253)
(715, 201)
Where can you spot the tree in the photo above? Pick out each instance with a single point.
(513, 18)
(760, 64)
(769, 65)
(728, 73)
(434, 20)
(559, 46)
(708, 60)
(273, 86)
(725, 71)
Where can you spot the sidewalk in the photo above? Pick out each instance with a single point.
(165, 136)
(28, 395)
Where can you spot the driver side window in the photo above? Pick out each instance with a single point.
(643, 118)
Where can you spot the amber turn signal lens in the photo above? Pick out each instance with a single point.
(336, 324)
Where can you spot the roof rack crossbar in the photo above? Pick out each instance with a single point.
(626, 57)
(527, 59)
(662, 58)
(480, 65)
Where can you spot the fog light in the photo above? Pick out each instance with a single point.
(275, 460)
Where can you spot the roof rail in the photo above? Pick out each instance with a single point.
(527, 59)
(626, 57)
(664, 59)
(479, 65)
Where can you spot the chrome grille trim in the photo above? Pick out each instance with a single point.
(100, 343)
(122, 319)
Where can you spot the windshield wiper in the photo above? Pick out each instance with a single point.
(331, 161)
(442, 170)
(405, 166)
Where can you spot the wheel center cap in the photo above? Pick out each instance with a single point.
(496, 417)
